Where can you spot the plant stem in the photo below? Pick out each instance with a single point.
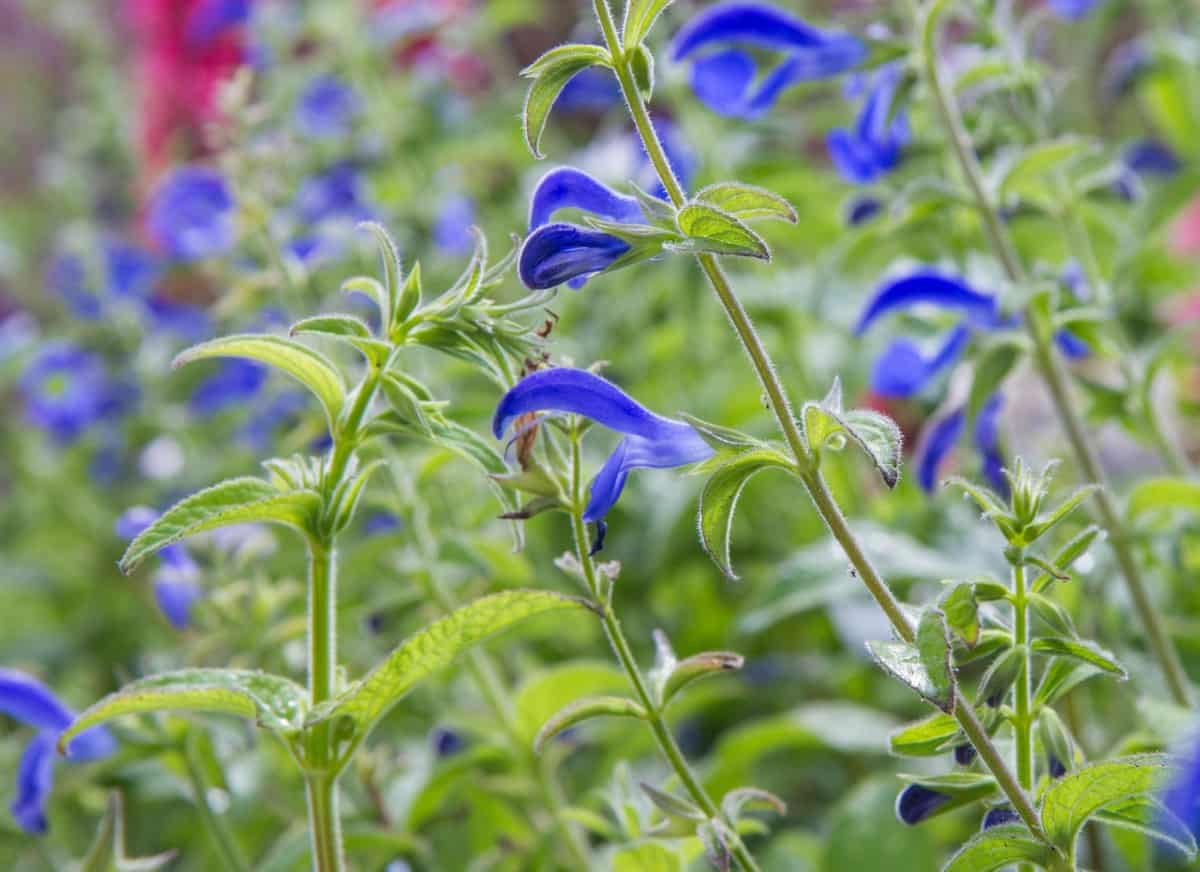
(658, 725)
(814, 483)
(222, 838)
(1052, 373)
(322, 674)
(1023, 691)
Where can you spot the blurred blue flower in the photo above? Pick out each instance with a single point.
(183, 320)
(872, 148)
(1071, 9)
(446, 742)
(326, 108)
(1182, 796)
(129, 271)
(176, 581)
(591, 90)
(942, 435)
(560, 252)
(66, 390)
(726, 76)
(233, 382)
(452, 228)
(1127, 63)
(862, 209)
(209, 19)
(336, 193)
(191, 214)
(381, 523)
(917, 802)
(1142, 161)
(27, 700)
(286, 408)
(650, 442)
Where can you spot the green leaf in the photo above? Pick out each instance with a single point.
(641, 62)
(646, 857)
(1048, 520)
(585, 709)
(299, 361)
(719, 499)
(718, 232)
(733, 802)
(963, 788)
(933, 645)
(672, 806)
(393, 268)
(876, 434)
(1078, 649)
(236, 501)
(550, 690)
(1029, 174)
(640, 16)
(1053, 615)
(992, 366)
(332, 325)
(1067, 555)
(272, 701)
(550, 74)
(696, 667)
(434, 647)
(1062, 676)
(929, 737)
(747, 202)
(1073, 799)
(1146, 815)
(904, 663)
(997, 848)
(1163, 495)
(723, 439)
(962, 612)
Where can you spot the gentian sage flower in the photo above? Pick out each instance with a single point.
(725, 76)
(940, 438)
(650, 441)
(66, 389)
(27, 700)
(917, 802)
(191, 214)
(998, 816)
(326, 108)
(176, 581)
(1182, 796)
(872, 147)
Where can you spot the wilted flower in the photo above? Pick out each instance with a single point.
(27, 700)
(917, 802)
(176, 581)
(873, 146)
(326, 108)
(726, 77)
(650, 441)
(66, 390)
(191, 214)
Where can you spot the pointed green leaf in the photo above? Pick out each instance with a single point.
(640, 16)
(719, 499)
(672, 806)
(933, 645)
(1073, 799)
(712, 230)
(1079, 649)
(1062, 676)
(107, 852)
(875, 433)
(737, 799)
(299, 361)
(1048, 520)
(550, 74)
(696, 667)
(904, 663)
(1163, 495)
(585, 709)
(236, 501)
(998, 848)
(331, 325)
(962, 612)
(1068, 554)
(434, 647)
(272, 701)
(992, 366)
(747, 202)
(934, 735)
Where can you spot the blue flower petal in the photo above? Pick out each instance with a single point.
(326, 108)
(557, 253)
(758, 24)
(987, 442)
(233, 382)
(934, 289)
(452, 229)
(903, 370)
(1071, 345)
(917, 802)
(591, 90)
(35, 778)
(1148, 157)
(191, 214)
(635, 452)
(999, 816)
(569, 188)
(175, 591)
(27, 700)
(722, 80)
(935, 445)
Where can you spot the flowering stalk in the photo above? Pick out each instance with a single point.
(1050, 368)
(602, 594)
(813, 481)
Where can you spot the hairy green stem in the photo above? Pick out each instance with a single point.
(324, 823)
(814, 483)
(222, 838)
(327, 854)
(1023, 690)
(1050, 368)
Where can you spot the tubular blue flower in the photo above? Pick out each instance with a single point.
(452, 228)
(917, 802)
(191, 214)
(1182, 796)
(66, 390)
(1141, 162)
(942, 436)
(725, 77)
(233, 382)
(935, 445)
(998, 817)
(591, 90)
(650, 441)
(27, 700)
(872, 148)
(176, 581)
(326, 108)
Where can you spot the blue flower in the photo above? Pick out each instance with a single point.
(326, 108)
(872, 147)
(27, 700)
(591, 90)
(1071, 9)
(336, 193)
(1141, 161)
(452, 229)
(998, 817)
(191, 214)
(650, 442)
(1182, 796)
(381, 523)
(184, 320)
(942, 436)
(209, 20)
(917, 802)
(176, 581)
(260, 429)
(726, 77)
(66, 390)
(862, 209)
(129, 272)
(234, 382)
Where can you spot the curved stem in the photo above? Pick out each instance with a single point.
(1051, 370)
(222, 838)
